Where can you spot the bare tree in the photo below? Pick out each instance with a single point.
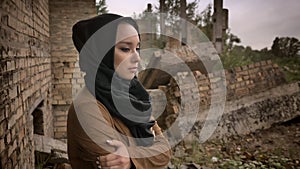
(101, 7)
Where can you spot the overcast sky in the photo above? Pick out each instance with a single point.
(255, 22)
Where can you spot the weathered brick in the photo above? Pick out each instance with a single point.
(237, 69)
(2, 145)
(3, 127)
(60, 123)
(23, 74)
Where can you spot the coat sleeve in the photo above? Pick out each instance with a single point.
(156, 156)
(89, 127)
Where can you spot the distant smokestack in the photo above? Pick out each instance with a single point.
(149, 7)
(183, 22)
(218, 25)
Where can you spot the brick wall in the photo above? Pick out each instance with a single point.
(253, 78)
(25, 80)
(241, 81)
(66, 73)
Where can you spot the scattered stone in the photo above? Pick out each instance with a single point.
(191, 166)
(214, 159)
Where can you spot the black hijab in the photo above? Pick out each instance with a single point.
(124, 99)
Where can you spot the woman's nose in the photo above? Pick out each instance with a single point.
(136, 56)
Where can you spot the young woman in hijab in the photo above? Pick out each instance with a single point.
(109, 121)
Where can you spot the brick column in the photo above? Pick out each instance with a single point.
(66, 74)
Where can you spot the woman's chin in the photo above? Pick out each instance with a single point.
(128, 77)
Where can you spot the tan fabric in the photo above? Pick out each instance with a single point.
(87, 137)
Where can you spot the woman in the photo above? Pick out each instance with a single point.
(109, 123)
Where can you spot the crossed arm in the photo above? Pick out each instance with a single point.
(117, 160)
(117, 152)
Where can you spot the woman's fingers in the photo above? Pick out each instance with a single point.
(121, 149)
(112, 160)
(118, 159)
(114, 143)
(109, 157)
(156, 129)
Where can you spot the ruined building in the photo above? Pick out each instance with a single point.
(39, 75)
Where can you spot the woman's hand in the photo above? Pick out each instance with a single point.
(156, 129)
(117, 160)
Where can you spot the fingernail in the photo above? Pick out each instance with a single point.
(97, 162)
(108, 141)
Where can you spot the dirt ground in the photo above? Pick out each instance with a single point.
(276, 147)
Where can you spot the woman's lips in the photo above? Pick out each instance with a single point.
(133, 69)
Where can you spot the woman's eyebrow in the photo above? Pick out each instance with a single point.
(128, 43)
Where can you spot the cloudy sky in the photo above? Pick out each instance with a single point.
(255, 22)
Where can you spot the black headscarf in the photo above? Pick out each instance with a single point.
(124, 99)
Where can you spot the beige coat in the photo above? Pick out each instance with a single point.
(87, 137)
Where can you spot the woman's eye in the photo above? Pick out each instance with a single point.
(125, 49)
(138, 49)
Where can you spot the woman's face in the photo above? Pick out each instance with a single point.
(126, 58)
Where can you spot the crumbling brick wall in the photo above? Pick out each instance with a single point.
(25, 80)
(240, 82)
(67, 78)
(253, 78)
